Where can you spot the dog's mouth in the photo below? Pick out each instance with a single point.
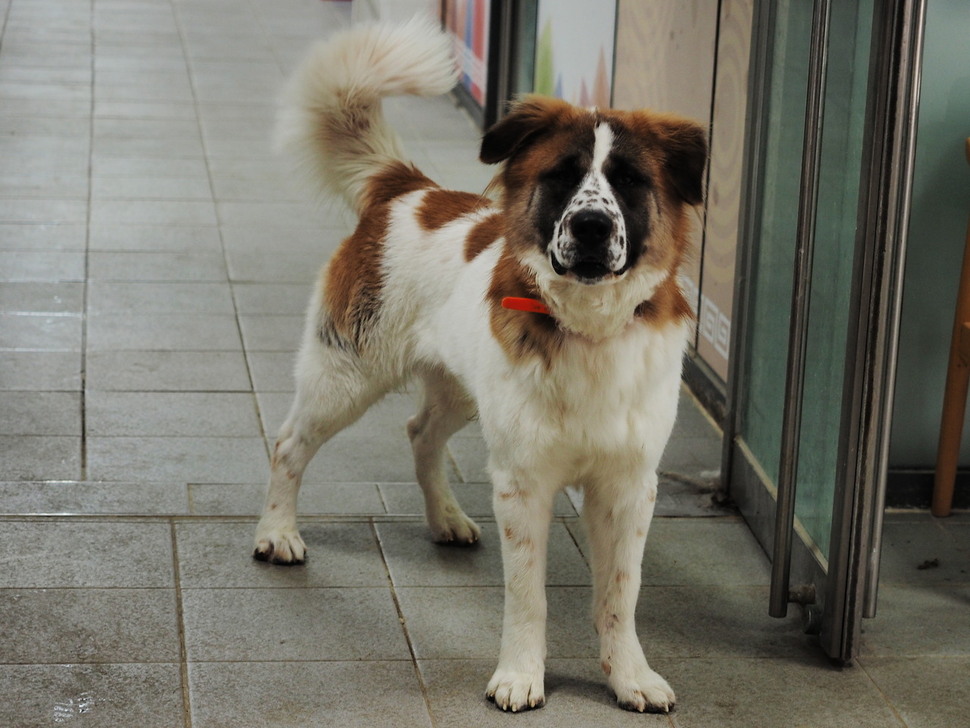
(586, 271)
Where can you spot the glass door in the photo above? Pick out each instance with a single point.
(813, 350)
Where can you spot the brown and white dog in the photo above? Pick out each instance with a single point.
(579, 389)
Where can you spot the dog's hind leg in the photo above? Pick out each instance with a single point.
(445, 410)
(332, 393)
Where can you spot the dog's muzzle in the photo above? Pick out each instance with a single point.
(590, 248)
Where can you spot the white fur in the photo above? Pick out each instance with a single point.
(597, 417)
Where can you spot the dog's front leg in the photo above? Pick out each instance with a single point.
(618, 519)
(523, 512)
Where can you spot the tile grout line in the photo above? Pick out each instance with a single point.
(882, 693)
(222, 241)
(87, 253)
(180, 617)
(403, 622)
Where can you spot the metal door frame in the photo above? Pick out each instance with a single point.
(840, 590)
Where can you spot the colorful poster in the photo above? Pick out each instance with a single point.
(574, 51)
(467, 21)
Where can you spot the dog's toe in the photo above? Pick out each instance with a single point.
(281, 549)
(514, 692)
(645, 692)
(455, 529)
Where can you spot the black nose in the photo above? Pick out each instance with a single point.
(591, 227)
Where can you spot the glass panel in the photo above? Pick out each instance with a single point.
(835, 231)
(766, 356)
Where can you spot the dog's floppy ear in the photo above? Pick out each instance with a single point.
(685, 148)
(524, 122)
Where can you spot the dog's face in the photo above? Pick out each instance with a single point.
(597, 193)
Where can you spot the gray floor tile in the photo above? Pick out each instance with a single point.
(927, 692)
(40, 332)
(177, 332)
(177, 459)
(275, 267)
(42, 236)
(154, 212)
(475, 499)
(246, 499)
(86, 554)
(296, 695)
(740, 693)
(697, 551)
(88, 625)
(288, 299)
(113, 166)
(86, 498)
(576, 697)
(41, 265)
(158, 238)
(151, 266)
(176, 371)
(150, 188)
(386, 419)
(28, 457)
(272, 371)
(241, 625)
(110, 696)
(919, 619)
(171, 414)
(272, 333)
(466, 622)
(40, 413)
(413, 559)
(471, 459)
(723, 622)
(55, 371)
(40, 297)
(145, 297)
(45, 211)
(359, 459)
(921, 552)
(219, 555)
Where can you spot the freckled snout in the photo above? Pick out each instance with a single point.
(589, 248)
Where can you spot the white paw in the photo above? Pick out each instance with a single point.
(514, 691)
(452, 526)
(642, 690)
(279, 546)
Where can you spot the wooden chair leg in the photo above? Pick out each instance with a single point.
(951, 431)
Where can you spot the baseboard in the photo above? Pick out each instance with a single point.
(913, 488)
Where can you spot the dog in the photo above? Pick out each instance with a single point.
(553, 315)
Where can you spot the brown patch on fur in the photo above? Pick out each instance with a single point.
(522, 335)
(485, 232)
(607, 668)
(353, 280)
(668, 304)
(439, 207)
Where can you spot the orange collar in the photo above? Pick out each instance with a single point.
(530, 305)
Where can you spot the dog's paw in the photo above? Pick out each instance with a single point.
(516, 691)
(454, 529)
(284, 547)
(644, 692)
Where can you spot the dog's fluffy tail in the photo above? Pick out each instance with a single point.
(330, 118)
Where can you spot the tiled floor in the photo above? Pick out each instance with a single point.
(154, 262)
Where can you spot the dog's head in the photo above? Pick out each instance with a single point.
(596, 193)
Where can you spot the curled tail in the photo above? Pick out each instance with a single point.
(331, 118)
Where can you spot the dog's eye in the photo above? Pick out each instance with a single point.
(627, 177)
(565, 174)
